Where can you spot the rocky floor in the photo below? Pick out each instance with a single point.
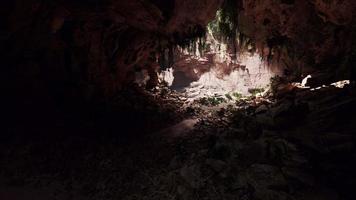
(299, 147)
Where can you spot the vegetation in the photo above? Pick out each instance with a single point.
(228, 96)
(255, 91)
(224, 26)
(237, 95)
(212, 101)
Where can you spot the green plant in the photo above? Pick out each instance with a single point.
(255, 91)
(203, 101)
(224, 26)
(214, 101)
(237, 95)
(211, 101)
(228, 96)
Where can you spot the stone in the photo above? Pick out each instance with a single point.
(265, 176)
(221, 151)
(175, 162)
(267, 194)
(192, 176)
(253, 152)
(252, 128)
(299, 175)
(216, 165)
(280, 150)
(282, 108)
(265, 120)
(184, 193)
(261, 109)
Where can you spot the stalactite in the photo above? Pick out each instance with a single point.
(202, 45)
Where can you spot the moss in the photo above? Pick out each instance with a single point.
(228, 96)
(255, 91)
(212, 101)
(237, 95)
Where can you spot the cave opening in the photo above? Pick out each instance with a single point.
(178, 99)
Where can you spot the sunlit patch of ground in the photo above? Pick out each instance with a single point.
(338, 84)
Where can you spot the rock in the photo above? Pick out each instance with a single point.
(299, 175)
(289, 114)
(265, 176)
(221, 151)
(252, 153)
(322, 194)
(280, 150)
(244, 190)
(282, 108)
(344, 148)
(240, 182)
(269, 133)
(192, 176)
(184, 193)
(261, 109)
(235, 133)
(216, 165)
(267, 194)
(252, 128)
(175, 162)
(296, 160)
(265, 120)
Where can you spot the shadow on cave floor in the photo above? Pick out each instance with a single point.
(299, 147)
(181, 81)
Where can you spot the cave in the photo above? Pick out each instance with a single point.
(178, 99)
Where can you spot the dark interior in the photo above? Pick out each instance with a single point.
(77, 125)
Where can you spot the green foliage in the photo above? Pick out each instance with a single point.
(224, 26)
(237, 95)
(228, 96)
(216, 100)
(255, 91)
(212, 101)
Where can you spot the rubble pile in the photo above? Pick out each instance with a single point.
(301, 146)
(298, 147)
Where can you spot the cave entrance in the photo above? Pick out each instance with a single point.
(198, 77)
(217, 65)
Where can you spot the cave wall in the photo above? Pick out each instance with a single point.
(93, 48)
(304, 36)
(90, 48)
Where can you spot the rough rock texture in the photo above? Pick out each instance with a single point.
(297, 148)
(93, 47)
(302, 35)
(58, 51)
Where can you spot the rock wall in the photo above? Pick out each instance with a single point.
(215, 73)
(304, 36)
(91, 48)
